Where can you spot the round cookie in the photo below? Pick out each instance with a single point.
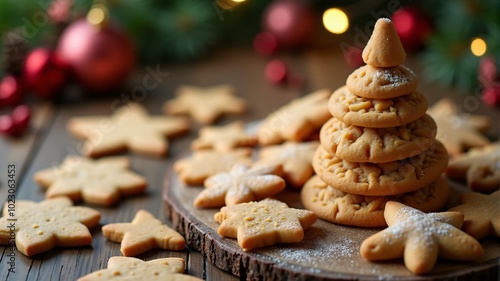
(361, 144)
(390, 178)
(382, 83)
(376, 113)
(339, 207)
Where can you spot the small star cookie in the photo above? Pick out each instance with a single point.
(123, 268)
(194, 170)
(224, 138)
(144, 233)
(296, 159)
(130, 127)
(241, 184)
(205, 105)
(420, 238)
(95, 181)
(482, 214)
(42, 226)
(480, 167)
(296, 120)
(264, 223)
(458, 130)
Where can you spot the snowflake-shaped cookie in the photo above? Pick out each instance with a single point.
(420, 238)
(130, 127)
(224, 138)
(123, 268)
(42, 226)
(264, 223)
(205, 105)
(95, 181)
(144, 233)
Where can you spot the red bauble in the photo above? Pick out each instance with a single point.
(276, 71)
(44, 73)
(491, 95)
(265, 43)
(101, 56)
(292, 22)
(488, 71)
(11, 91)
(413, 27)
(17, 123)
(21, 116)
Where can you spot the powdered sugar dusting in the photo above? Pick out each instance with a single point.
(393, 77)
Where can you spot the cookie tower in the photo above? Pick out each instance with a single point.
(380, 144)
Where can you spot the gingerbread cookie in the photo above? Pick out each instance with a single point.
(130, 127)
(376, 113)
(420, 238)
(296, 120)
(296, 159)
(458, 130)
(205, 105)
(339, 207)
(241, 184)
(144, 233)
(480, 168)
(264, 223)
(195, 169)
(482, 214)
(126, 269)
(383, 178)
(100, 181)
(41, 226)
(224, 138)
(377, 145)
(384, 49)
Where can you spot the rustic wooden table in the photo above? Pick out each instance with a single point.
(48, 143)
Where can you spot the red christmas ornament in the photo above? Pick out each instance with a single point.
(17, 123)
(21, 116)
(491, 95)
(488, 72)
(11, 91)
(276, 71)
(413, 27)
(292, 22)
(44, 73)
(100, 55)
(265, 43)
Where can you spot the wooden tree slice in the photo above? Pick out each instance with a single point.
(328, 251)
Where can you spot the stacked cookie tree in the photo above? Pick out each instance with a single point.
(380, 145)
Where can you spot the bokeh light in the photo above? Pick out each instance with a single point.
(478, 47)
(335, 20)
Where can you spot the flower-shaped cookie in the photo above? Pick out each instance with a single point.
(144, 233)
(123, 268)
(241, 184)
(420, 238)
(264, 223)
(224, 138)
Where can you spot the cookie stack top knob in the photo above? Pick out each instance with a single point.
(384, 48)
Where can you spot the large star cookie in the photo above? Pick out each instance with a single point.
(264, 223)
(420, 238)
(224, 138)
(123, 268)
(458, 130)
(296, 120)
(130, 127)
(95, 181)
(480, 167)
(241, 184)
(482, 214)
(42, 226)
(205, 105)
(144, 233)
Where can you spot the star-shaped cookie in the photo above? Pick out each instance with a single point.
(195, 169)
(205, 105)
(144, 233)
(100, 181)
(224, 138)
(264, 223)
(420, 238)
(296, 120)
(126, 269)
(296, 159)
(241, 184)
(482, 214)
(130, 127)
(480, 167)
(458, 130)
(42, 226)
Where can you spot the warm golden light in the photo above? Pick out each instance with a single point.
(335, 20)
(478, 47)
(238, 1)
(96, 15)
